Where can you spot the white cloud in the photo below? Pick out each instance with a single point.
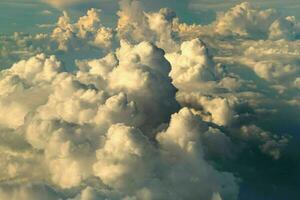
(88, 27)
(184, 150)
(63, 3)
(246, 21)
(46, 12)
(135, 25)
(74, 123)
(125, 160)
(139, 123)
(193, 65)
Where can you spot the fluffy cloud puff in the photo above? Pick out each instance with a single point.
(192, 65)
(71, 125)
(182, 141)
(136, 25)
(85, 38)
(245, 21)
(87, 27)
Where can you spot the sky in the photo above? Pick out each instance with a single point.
(26, 14)
(149, 100)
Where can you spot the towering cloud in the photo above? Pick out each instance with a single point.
(136, 25)
(88, 28)
(83, 130)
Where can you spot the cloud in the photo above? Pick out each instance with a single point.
(77, 127)
(46, 12)
(85, 38)
(248, 21)
(182, 142)
(220, 5)
(88, 27)
(75, 124)
(125, 157)
(28, 192)
(244, 20)
(135, 25)
(63, 3)
(193, 65)
(152, 108)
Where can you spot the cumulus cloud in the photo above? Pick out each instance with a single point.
(183, 144)
(124, 162)
(246, 21)
(84, 130)
(88, 27)
(85, 38)
(136, 25)
(192, 65)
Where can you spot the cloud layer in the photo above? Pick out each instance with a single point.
(152, 108)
